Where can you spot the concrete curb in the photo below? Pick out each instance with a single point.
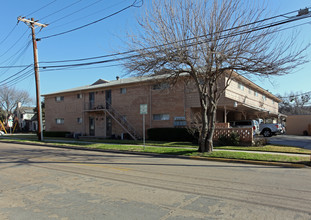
(254, 162)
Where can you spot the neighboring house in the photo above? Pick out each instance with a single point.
(26, 118)
(112, 108)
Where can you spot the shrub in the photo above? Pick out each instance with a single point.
(56, 133)
(259, 142)
(232, 140)
(169, 134)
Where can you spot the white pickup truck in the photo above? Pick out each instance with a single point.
(267, 130)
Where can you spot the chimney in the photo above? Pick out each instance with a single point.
(117, 77)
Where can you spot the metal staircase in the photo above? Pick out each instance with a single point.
(114, 114)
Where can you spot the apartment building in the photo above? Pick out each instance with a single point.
(106, 109)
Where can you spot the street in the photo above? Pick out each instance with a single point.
(57, 183)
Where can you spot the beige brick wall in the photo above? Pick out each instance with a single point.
(178, 101)
(296, 124)
(69, 109)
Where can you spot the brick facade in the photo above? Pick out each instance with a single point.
(168, 106)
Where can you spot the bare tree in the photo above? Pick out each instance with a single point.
(295, 103)
(210, 41)
(10, 97)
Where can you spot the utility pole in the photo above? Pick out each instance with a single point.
(32, 24)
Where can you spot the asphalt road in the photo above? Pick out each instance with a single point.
(52, 183)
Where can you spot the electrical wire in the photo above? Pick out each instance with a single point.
(133, 51)
(85, 16)
(41, 8)
(14, 75)
(72, 13)
(18, 56)
(18, 79)
(68, 6)
(296, 95)
(128, 57)
(8, 35)
(14, 44)
(94, 22)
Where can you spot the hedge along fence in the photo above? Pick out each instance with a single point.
(182, 134)
(56, 133)
(169, 134)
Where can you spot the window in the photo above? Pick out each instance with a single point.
(241, 86)
(79, 96)
(59, 98)
(250, 91)
(264, 97)
(161, 117)
(59, 121)
(161, 86)
(255, 93)
(123, 90)
(180, 121)
(79, 120)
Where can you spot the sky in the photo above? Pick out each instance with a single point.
(105, 37)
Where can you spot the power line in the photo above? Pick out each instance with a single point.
(9, 34)
(14, 44)
(295, 95)
(85, 16)
(14, 75)
(72, 13)
(195, 43)
(41, 8)
(68, 6)
(18, 79)
(133, 51)
(91, 23)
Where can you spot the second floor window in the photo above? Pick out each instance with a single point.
(79, 120)
(123, 90)
(79, 96)
(161, 117)
(241, 86)
(59, 98)
(59, 121)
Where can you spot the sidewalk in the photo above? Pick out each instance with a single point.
(245, 151)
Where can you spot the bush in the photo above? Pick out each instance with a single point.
(259, 142)
(56, 133)
(232, 140)
(169, 134)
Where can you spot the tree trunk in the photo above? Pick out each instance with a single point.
(208, 128)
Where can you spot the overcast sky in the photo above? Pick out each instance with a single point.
(102, 38)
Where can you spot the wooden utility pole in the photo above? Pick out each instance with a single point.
(32, 24)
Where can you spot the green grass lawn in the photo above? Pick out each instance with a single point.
(171, 150)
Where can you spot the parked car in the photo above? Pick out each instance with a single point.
(267, 130)
(246, 124)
